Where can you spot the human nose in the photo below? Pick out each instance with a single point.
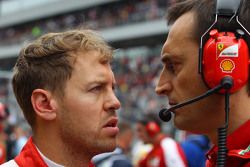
(112, 103)
(164, 85)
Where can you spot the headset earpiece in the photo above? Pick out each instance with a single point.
(152, 128)
(225, 54)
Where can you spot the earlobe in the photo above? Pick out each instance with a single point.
(43, 104)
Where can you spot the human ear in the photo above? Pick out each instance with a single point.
(44, 104)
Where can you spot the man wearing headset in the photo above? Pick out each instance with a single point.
(180, 80)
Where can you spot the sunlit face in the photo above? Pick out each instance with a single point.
(180, 80)
(87, 119)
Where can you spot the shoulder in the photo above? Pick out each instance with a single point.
(10, 163)
(168, 141)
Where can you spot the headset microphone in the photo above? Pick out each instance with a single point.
(226, 83)
(165, 115)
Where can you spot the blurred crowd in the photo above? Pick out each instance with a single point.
(12, 136)
(136, 78)
(118, 13)
(136, 75)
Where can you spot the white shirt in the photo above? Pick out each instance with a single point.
(48, 161)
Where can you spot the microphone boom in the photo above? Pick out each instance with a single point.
(165, 114)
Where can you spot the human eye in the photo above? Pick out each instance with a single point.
(172, 67)
(96, 88)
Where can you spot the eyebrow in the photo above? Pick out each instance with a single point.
(103, 81)
(98, 81)
(166, 57)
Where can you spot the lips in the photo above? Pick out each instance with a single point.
(111, 123)
(172, 103)
(110, 128)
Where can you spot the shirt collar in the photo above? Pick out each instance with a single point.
(239, 139)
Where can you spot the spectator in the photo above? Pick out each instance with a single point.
(142, 146)
(165, 151)
(101, 17)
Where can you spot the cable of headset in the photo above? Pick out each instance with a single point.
(227, 83)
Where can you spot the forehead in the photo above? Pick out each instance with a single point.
(183, 27)
(180, 37)
(90, 65)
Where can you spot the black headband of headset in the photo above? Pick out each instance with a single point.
(227, 7)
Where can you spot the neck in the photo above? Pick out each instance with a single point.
(122, 146)
(239, 113)
(157, 139)
(58, 151)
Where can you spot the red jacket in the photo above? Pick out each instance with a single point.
(28, 157)
(166, 153)
(2, 153)
(238, 144)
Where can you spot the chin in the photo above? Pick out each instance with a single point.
(103, 147)
(187, 125)
(197, 127)
(109, 145)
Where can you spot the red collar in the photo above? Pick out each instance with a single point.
(240, 138)
(29, 156)
(237, 142)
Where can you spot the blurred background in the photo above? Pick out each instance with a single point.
(137, 30)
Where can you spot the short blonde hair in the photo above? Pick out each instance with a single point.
(47, 63)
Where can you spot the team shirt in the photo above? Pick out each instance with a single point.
(238, 144)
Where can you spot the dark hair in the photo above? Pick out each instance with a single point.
(204, 13)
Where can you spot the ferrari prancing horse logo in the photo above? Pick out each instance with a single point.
(220, 46)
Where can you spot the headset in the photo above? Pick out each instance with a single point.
(225, 56)
(225, 53)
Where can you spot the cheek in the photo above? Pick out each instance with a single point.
(83, 110)
(84, 102)
(190, 82)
